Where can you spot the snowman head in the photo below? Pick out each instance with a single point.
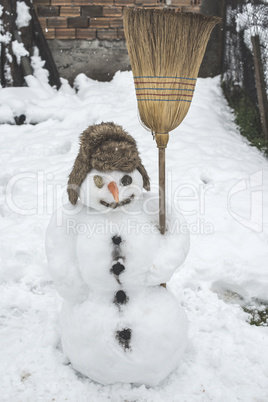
(108, 172)
(102, 190)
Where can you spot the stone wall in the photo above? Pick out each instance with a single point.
(98, 59)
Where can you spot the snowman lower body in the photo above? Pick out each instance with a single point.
(139, 341)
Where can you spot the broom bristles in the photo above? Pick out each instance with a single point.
(166, 49)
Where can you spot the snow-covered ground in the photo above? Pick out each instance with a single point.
(220, 184)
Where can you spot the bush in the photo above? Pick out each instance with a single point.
(247, 116)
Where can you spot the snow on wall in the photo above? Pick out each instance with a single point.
(19, 50)
(37, 64)
(23, 15)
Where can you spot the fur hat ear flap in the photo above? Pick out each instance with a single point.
(146, 179)
(79, 172)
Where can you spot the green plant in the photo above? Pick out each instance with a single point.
(258, 312)
(247, 116)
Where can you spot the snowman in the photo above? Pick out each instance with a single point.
(108, 260)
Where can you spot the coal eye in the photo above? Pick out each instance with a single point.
(126, 180)
(98, 181)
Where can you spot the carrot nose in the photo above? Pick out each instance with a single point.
(112, 187)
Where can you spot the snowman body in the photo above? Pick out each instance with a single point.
(107, 260)
(158, 333)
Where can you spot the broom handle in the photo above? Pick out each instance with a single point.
(162, 188)
(162, 140)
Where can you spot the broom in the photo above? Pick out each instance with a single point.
(166, 49)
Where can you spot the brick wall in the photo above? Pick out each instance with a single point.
(86, 36)
(95, 19)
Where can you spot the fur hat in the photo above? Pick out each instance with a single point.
(105, 147)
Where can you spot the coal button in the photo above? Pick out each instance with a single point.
(121, 297)
(116, 240)
(118, 268)
(125, 334)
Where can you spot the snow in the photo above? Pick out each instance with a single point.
(220, 184)
(19, 50)
(23, 15)
(37, 64)
(6, 38)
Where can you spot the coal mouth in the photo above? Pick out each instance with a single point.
(115, 205)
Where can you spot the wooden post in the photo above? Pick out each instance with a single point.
(260, 84)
